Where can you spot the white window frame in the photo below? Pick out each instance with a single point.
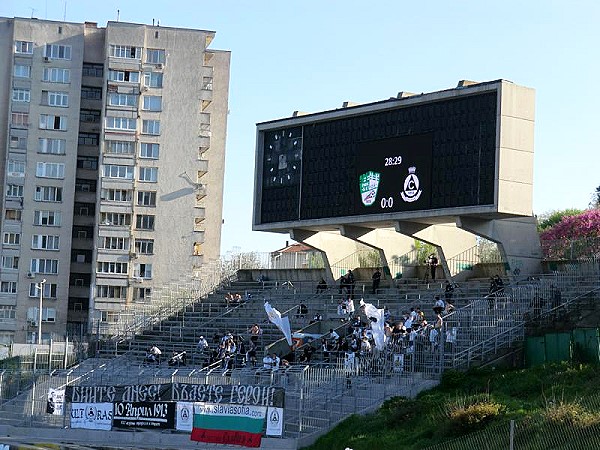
(119, 76)
(117, 171)
(149, 150)
(56, 75)
(22, 71)
(50, 290)
(57, 51)
(48, 122)
(21, 95)
(50, 170)
(117, 99)
(151, 127)
(52, 146)
(121, 123)
(14, 190)
(12, 239)
(152, 103)
(59, 99)
(15, 168)
(144, 246)
(153, 79)
(24, 47)
(51, 194)
(19, 119)
(47, 218)
(8, 287)
(116, 195)
(155, 56)
(145, 222)
(148, 174)
(119, 147)
(45, 266)
(45, 242)
(10, 262)
(125, 51)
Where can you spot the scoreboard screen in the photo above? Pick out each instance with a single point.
(396, 158)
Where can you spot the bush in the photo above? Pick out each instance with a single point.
(469, 414)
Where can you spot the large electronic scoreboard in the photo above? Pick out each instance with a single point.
(431, 155)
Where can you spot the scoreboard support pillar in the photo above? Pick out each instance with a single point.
(517, 239)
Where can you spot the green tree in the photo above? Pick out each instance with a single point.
(551, 218)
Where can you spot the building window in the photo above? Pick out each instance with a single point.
(21, 95)
(24, 47)
(50, 170)
(50, 290)
(11, 238)
(10, 262)
(142, 293)
(123, 76)
(48, 315)
(149, 174)
(60, 99)
(149, 150)
(83, 185)
(91, 93)
(93, 70)
(151, 127)
(51, 122)
(89, 115)
(120, 123)
(88, 139)
(144, 246)
(22, 71)
(56, 75)
(19, 119)
(18, 142)
(116, 99)
(119, 147)
(114, 243)
(48, 194)
(143, 271)
(115, 219)
(125, 51)
(116, 195)
(55, 51)
(15, 168)
(7, 313)
(45, 266)
(112, 267)
(14, 191)
(103, 291)
(152, 103)
(144, 222)
(155, 56)
(87, 162)
(114, 171)
(44, 242)
(8, 287)
(207, 83)
(52, 146)
(47, 218)
(153, 79)
(146, 198)
(13, 214)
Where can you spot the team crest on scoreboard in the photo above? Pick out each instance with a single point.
(369, 183)
(411, 191)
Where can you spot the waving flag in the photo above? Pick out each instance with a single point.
(375, 316)
(283, 323)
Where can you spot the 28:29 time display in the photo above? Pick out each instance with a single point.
(393, 161)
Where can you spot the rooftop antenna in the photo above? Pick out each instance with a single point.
(65, 12)
(32, 11)
(118, 14)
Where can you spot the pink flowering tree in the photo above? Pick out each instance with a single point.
(574, 237)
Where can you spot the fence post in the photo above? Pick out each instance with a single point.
(66, 352)
(512, 435)
(50, 347)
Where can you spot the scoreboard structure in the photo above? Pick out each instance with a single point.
(462, 155)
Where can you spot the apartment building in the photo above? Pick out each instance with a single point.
(113, 144)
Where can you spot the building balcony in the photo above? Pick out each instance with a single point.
(202, 168)
(79, 291)
(82, 244)
(85, 197)
(84, 221)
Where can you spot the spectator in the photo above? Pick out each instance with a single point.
(322, 286)
(256, 330)
(251, 353)
(268, 362)
(343, 284)
(439, 305)
(350, 307)
(307, 352)
(153, 355)
(316, 318)
(448, 291)
(302, 311)
(376, 277)
(350, 282)
(432, 263)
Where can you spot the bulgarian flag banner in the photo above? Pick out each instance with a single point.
(228, 424)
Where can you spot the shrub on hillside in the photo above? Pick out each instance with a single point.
(472, 413)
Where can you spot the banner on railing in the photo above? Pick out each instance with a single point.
(56, 401)
(185, 392)
(150, 415)
(92, 416)
(185, 416)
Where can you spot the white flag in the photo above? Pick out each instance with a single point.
(282, 323)
(375, 316)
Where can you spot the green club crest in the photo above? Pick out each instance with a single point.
(369, 183)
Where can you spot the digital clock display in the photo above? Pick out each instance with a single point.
(394, 174)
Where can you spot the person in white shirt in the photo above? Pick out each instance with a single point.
(267, 362)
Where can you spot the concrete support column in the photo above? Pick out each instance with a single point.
(447, 237)
(517, 238)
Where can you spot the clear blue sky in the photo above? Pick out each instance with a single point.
(312, 55)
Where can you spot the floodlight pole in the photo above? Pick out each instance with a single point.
(40, 286)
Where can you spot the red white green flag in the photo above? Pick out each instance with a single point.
(228, 424)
